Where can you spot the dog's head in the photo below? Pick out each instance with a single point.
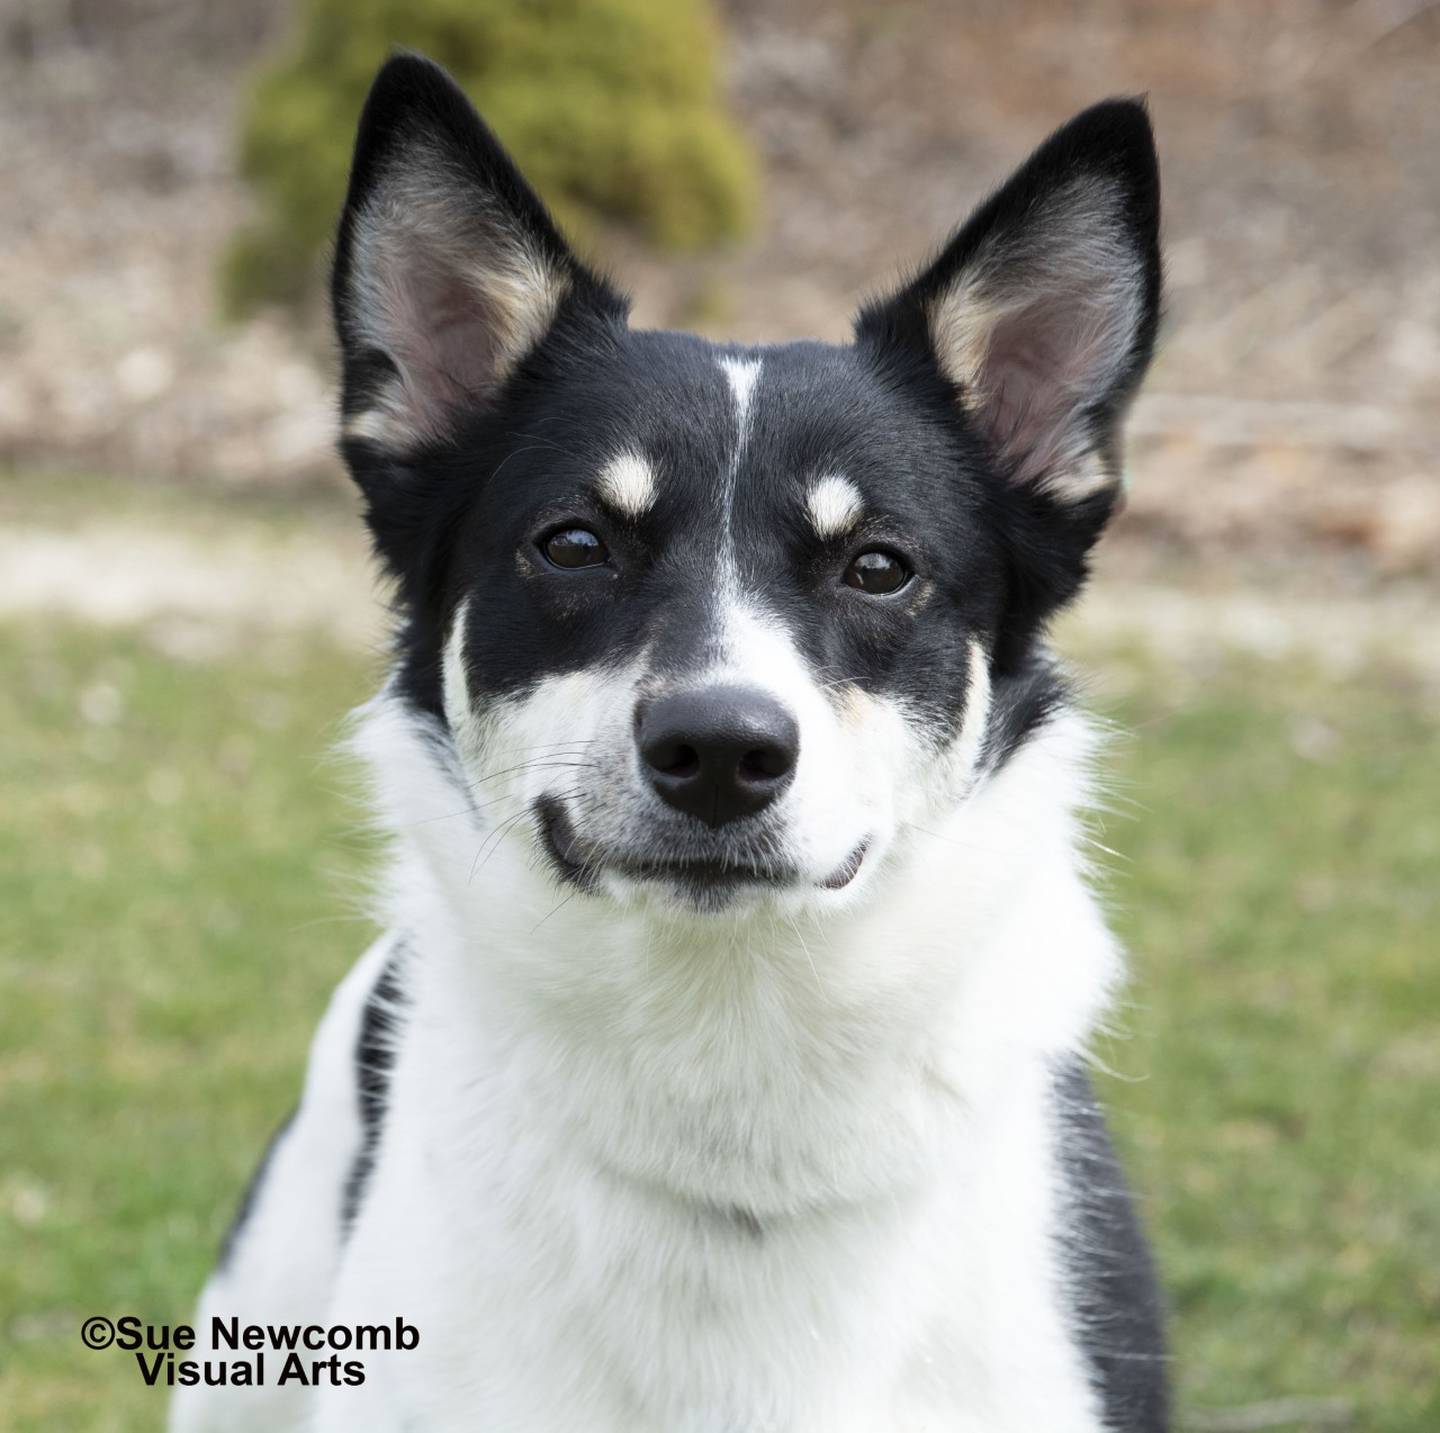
(715, 625)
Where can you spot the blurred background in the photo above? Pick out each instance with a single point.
(187, 609)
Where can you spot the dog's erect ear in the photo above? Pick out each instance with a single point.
(448, 270)
(1040, 314)
(1041, 311)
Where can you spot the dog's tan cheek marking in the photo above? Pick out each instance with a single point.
(924, 594)
(852, 706)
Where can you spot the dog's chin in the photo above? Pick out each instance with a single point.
(705, 884)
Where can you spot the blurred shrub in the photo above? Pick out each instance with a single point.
(609, 106)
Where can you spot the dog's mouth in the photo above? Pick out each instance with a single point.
(704, 879)
(848, 869)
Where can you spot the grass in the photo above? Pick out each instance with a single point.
(169, 929)
(177, 870)
(1280, 894)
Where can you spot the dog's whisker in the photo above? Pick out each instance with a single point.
(539, 763)
(809, 959)
(565, 902)
(495, 836)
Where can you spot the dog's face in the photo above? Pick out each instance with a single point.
(717, 626)
(704, 630)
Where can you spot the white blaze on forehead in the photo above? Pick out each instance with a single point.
(627, 484)
(834, 505)
(742, 373)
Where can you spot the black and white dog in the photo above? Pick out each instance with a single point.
(723, 1067)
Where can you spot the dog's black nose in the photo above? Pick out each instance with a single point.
(718, 753)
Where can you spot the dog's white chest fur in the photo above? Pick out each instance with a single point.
(571, 1299)
(734, 1186)
(741, 1187)
(567, 1298)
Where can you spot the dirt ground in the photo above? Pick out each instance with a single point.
(1291, 424)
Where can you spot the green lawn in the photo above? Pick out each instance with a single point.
(179, 864)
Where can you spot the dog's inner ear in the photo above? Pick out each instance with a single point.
(1041, 311)
(1039, 330)
(448, 270)
(451, 306)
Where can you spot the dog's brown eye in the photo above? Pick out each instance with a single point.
(575, 547)
(877, 573)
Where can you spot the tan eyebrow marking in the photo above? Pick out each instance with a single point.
(627, 484)
(834, 505)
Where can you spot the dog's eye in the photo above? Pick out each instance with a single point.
(575, 547)
(877, 573)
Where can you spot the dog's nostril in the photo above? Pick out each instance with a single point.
(765, 763)
(682, 761)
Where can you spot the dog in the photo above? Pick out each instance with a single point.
(722, 1068)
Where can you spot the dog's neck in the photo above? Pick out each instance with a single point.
(768, 1063)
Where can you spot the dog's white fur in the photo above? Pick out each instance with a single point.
(834, 505)
(627, 482)
(789, 1169)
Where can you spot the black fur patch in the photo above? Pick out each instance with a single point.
(1116, 1299)
(1021, 703)
(374, 1059)
(251, 1197)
